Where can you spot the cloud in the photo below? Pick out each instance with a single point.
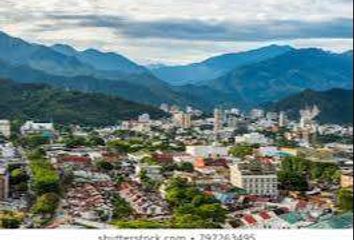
(193, 29)
(183, 30)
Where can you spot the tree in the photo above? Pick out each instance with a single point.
(141, 224)
(191, 221)
(104, 165)
(18, 176)
(96, 141)
(36, 140)
(241, 151)
(345, 199)
(193, 209)
(45, 178)
(9, 221)
(186, 167)
(72, 142)
(122, 209)
(119, 145)
(46, 204)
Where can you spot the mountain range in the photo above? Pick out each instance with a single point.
(336, 105)
(43, 103)
(216, 67)
(244, 80)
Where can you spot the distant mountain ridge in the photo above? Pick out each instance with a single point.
(43, 103)
(244, 80)
(215, 67)
(336, 105)
(88, 71)
(287, 74)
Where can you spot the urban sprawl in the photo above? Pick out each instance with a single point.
(229, 169)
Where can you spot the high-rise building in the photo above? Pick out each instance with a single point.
(282, 119)
(144, 118)
(4, 184)
(308, 115)
(183, 119)
(218, 120)
(5, 128)
(164, 107)
(257, 113)
(272, 116)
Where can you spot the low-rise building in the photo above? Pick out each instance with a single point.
(255, 177)
(31, 127)
(207, 151)
(346, 180)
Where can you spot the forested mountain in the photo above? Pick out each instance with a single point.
(288, 74)
(44, 103)
(336, 105)
(243, 80)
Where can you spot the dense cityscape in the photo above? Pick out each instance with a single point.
(229, 169)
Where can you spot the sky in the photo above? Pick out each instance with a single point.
(180, 31)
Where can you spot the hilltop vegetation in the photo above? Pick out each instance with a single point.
(336, 105)
(43, 103)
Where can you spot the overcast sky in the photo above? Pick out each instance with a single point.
(180, 31)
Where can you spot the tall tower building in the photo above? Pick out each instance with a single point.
(218, 120)
(282, 119)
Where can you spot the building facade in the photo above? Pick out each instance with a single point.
(261, 183)
(4, 184)
(5, 128)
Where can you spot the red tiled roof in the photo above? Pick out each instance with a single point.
(250, 219)
(76, 159)
(265, 215)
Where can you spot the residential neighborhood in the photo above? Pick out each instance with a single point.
(232, 170)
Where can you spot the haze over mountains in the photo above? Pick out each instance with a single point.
(244, 80)
(215, 67)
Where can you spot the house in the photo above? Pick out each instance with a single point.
(153, 172)
(146, 204)
(346, 180)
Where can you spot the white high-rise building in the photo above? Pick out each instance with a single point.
(282, 119)
(257, 113)
(164, 107)
(5, 128)
(308, 115)
(218, 120)
(144, 118)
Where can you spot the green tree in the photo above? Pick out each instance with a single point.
(141, 224)
(122, 209)
(241, 151)
(10, 222)
(104, 165)
(18, 176)
(36, 140)
(46, 204)
(186, 167)
(345, 199)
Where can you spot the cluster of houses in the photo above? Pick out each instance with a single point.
(145, 204)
